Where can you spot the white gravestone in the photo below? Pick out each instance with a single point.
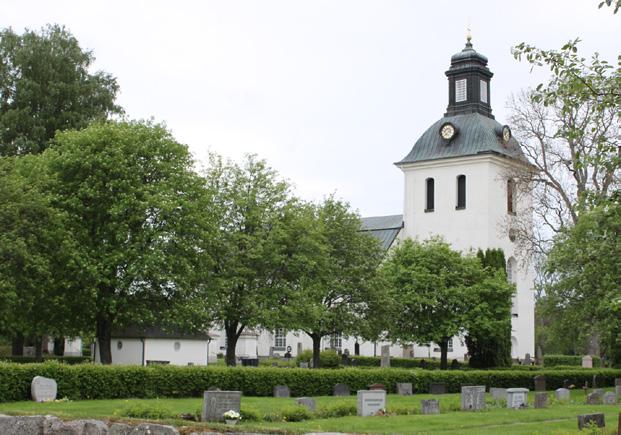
(385, 361)
(498, 393)
(562, 394)
(517, 398)
(587, 362)
(610, 398)
(43, 389)
(473, 398)
(370, 402)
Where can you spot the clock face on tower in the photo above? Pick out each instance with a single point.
(447, 131)
(506, 133)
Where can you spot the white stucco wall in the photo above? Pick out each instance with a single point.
(157, 349)
(130, 351)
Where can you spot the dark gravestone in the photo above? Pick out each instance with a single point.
(541, 400)
(340, 390)
(377, 387)
(566, 383)
(282, 391)
(594, 399)
(431, 406)
(618, 387)
(404, 389)
(216, 403)
(540, 383)
(527, 361)
(585, 419)
(437, 388)
(308, 402)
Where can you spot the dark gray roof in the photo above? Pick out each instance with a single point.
(155, 332)
(384, 228)
(477, 134)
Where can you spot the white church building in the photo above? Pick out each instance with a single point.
(457, 184)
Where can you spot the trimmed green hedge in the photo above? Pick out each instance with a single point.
(568, 360)
(89, 381)
(405, 363)
(62, 359)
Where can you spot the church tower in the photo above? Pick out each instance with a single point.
(458, 185)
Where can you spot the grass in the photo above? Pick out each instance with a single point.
(557, 419)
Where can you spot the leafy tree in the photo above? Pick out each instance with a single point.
(341, 293)
(45, 86)
(433, 288)
(134, 206)
(258, 250)
(586, 261)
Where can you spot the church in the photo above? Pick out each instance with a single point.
(457, 184)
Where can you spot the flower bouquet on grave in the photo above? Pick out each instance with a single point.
(231, 417)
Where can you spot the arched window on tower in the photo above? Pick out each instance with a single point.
(429, 194)
(510, 196)
(461, 192)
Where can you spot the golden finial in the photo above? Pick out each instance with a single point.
(468, 34)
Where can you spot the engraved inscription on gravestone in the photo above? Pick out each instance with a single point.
(216, 403)
(517, 398)
(340, 390)
(610, 398)
(594, 398)
(437, 388)
(43, 389)
(498, 393)
(404, 389)
(282, 391)
(562, 394)
(472, 398)
(541, 400)
(309, 402)
(370, 402)
(587, 362)
(431, 406)
(585, 419)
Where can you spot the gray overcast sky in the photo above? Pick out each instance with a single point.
(330, 92)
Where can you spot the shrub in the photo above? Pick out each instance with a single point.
(152, 411)
(337, 410)
(568, 360)
(327, 358)
(62, 359)
(296, 413)
(250, 414)
(405, 363)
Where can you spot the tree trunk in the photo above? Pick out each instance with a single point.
(316, 350)
(104, 339)
(59, 346)
(38, 344)
(232, 335)
(444, 353)
(17, 346)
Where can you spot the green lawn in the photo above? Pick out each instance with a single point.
(559, 418)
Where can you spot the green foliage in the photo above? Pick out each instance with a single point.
(88, 381)
(404, 363)
(327, 358)
(153, 411)
(249, 414)
(296, 413)
(568, 360)
(60, 359)
(45, 86)
(336, 410)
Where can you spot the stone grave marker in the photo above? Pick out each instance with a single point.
(517, 398)
(385, 361)
(282, 391)
(585, 419)
(300, 349)
(566, 383)
(498, 393)
(618, 386)
(404, 389)
(309, 402)
(370, 402)
(587, 362)
(43, 389)
(562, 394)
(541, 400)
(527, 361)
(610, 398)
(340, 390)
(437, 388)
(212, 388)
(594, 398)
(431, 406)
(540, 383)
(216, 403)
(599, 391)
(377, 387)
(303, 365)
(472, 398)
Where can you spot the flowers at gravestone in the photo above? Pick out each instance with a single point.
(231, 415)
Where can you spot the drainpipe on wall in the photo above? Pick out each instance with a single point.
(143, 346)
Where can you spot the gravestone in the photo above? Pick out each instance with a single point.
(43, 389)
(566, 383)
(587, 362)
(594, 398)
(309, 402)
(300, 349)
(282, 391)
(527, 361)
(404, 389)
(498, 393)
(472, 398)
(437, 388)
(377, 387)
(541, 400)
(216, 403)
(609, 398)
(212, 388)
(540, 383)
(370, 402)
(431, 406)
(562, 394)
(618, 387)
(585, 419)
(303, 365)
(385, 362)
(340, 390)
(599, 391)
(595, 379)
(517, 398)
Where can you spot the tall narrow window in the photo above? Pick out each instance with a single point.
(336, 341)
(510, 196)
(461, 192)
(280, 339)
(429, 202)
(483, 91)
(460, 90)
